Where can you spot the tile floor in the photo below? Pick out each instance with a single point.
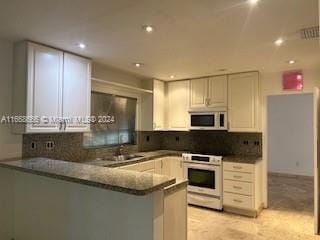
(289, 216)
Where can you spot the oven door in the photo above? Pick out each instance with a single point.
(203, 178)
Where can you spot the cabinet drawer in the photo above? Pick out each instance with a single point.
(240, 201)
(238, 167)
(238, 187)
(238, 176)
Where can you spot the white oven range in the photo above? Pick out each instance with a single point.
(204, 173)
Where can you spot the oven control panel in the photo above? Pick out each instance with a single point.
(200, 158)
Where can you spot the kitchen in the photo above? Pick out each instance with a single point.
(180, 149)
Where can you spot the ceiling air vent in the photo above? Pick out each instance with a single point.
(310, 32)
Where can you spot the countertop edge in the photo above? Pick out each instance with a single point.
(85, 182)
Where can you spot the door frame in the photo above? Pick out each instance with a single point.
(316, 156)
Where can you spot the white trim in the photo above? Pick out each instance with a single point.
(121, 85)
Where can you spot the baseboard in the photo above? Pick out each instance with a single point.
(243, 212)
(287, 175)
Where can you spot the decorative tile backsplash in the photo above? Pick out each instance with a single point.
(69, 146)
(211, 142)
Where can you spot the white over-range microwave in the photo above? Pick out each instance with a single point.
(213, 120)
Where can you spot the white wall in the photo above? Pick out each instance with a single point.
(51, 209)
(6, 203)
(10, 145)
(111, 74)
(290, 134)
(271, 84)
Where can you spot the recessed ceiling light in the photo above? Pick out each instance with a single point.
(148, 28)
(279, 41)
(82, 45)
(137, 65)
(172, 76)
(253, 2)
(291, 61)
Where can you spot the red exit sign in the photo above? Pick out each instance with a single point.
(292, 80)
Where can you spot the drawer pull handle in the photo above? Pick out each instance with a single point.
(237, 200)
(236, 176)
(237, 187)
(237, 167)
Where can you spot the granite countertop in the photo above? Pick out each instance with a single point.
(145, 156)
(130, 182)
(242, 159)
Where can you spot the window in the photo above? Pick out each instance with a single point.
(122, 130)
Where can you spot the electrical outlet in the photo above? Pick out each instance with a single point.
(49, 145)
(33, 146)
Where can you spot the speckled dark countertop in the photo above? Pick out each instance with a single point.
(242, 159)
(145, 156)
(130, 182)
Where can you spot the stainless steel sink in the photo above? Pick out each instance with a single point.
(123, 157)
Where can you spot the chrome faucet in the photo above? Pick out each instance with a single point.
(119, 151)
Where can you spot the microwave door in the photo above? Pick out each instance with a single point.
(202, 121)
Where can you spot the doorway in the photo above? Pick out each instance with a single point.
(291, 147)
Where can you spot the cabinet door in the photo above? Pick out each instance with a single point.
(44, 89)
(243, 97)
(178, 105)
(176, 168)
(158, 105)
(76, 92)
(218, 91)
(198, 93)
(166, 166)
(158, 166)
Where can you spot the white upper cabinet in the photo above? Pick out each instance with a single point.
(51, 85)
(178, 105)
(218, 91)
(243, 102)
(199, 93)
(208, 93)
(76, 91)
(158, 105)
(44, 85)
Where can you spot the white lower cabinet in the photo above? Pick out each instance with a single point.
(242, 188)
(168, 166)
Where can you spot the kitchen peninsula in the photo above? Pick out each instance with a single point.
(52, 199)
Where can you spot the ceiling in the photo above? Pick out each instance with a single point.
(192, 38)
